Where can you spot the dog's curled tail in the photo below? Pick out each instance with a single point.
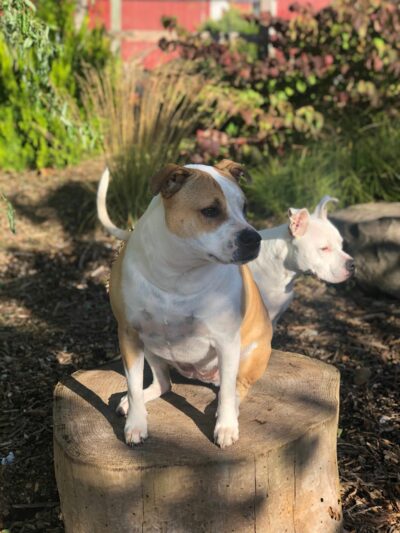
(102, 209)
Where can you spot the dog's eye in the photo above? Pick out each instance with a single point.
(325, 249)
(245, 208)
(210, 212)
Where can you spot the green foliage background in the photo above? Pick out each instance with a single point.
(311, 104)
(42, 56)
(315, 110)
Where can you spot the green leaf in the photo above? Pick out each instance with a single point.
(232, 130)
(379, 44)
(301, 86)
(28, 42)
(29, 4)
(10, 212)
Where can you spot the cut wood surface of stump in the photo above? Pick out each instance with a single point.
(281, 476)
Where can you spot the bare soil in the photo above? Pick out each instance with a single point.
(56, 319)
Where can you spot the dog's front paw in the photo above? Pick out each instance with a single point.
(123, 405)
(136, 429)
(226, 434)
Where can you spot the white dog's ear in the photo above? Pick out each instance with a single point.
(169, 180)
(298, 221)
(234, 170)
(321, 211)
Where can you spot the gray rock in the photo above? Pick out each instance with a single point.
(372, 236)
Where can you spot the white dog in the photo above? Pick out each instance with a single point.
(180, 297)
(310, 243)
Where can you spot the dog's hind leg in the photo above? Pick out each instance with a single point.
(161, 382)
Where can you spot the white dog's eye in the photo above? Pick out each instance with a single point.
(325, 249)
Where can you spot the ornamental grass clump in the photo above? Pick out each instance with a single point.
(144, 117)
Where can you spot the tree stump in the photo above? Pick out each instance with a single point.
(281, 476)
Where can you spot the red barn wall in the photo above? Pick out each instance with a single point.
(99, 13)
(139, 24)
(140, 15)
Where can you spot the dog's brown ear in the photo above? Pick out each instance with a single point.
(169, 180)
(235, 170)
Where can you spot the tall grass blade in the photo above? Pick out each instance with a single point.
(143, 117)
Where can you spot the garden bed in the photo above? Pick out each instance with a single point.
(56, 319)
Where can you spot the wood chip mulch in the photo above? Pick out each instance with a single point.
(56, 319)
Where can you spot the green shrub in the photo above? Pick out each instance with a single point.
(80, 47)
(318, 70)
(360, 167)
(231, 21)
(41, 123)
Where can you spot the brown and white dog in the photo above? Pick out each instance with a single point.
(183, 296)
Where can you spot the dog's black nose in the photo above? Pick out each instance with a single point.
(248, 238)
(350, 265)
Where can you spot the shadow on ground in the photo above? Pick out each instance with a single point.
(56, 319)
